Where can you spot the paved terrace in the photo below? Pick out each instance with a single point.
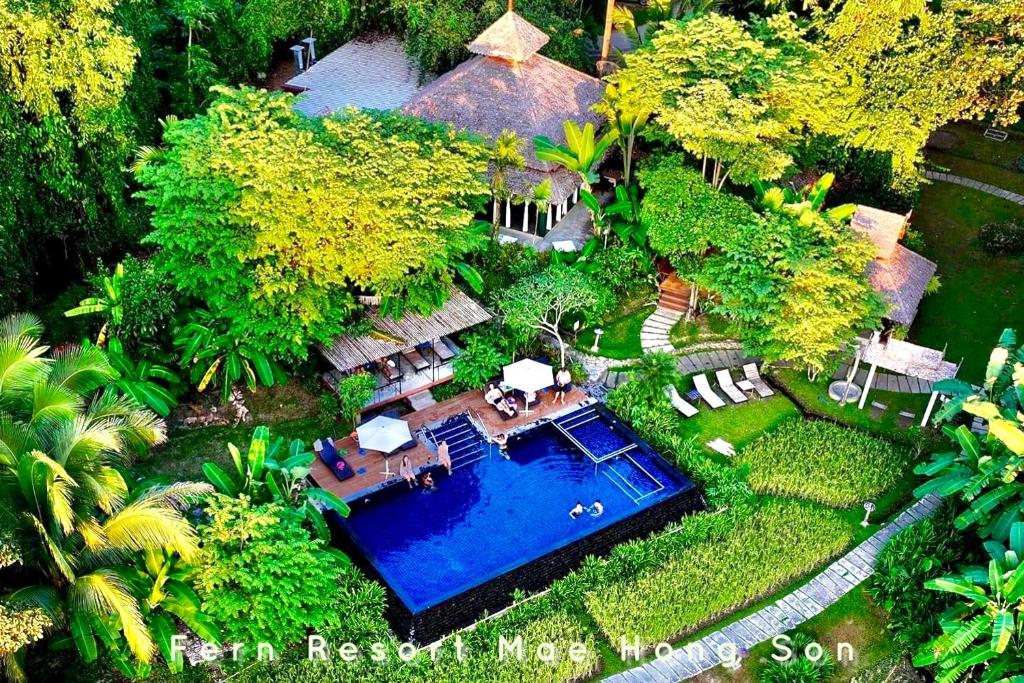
(369, 467)
(784, 614)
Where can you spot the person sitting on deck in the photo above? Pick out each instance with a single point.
(563, 385)
(596, 509)
(442, 456)
(577, 510)
(492, 395)
(406, 471)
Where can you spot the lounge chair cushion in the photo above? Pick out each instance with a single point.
(730, 389)
(335, 463)
(703, 387)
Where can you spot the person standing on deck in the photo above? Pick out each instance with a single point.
(443, 457)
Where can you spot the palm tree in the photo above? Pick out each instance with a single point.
(64, 432)
(581, 153)
(506, 155)
(655, 371)
(627, 116)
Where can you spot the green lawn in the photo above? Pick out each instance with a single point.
(1000, 176)
(738, 424)
(971, 143)
(621, 337)
(702, 328)
(980, 294)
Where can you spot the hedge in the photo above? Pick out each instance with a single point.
(824, 462)
(763, 551)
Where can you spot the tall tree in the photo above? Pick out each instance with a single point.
(271, 219)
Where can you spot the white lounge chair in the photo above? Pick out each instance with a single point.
(753, 376)
(730, 389)
(700, 383)
(680, 403)
(722, 446)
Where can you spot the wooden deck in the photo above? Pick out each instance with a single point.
(372, 478)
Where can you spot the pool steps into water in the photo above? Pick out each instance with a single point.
(466, 445)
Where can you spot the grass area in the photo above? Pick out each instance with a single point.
(621, 337)
(814, 397)
(980, 294)
(1000, 176)
(738, 424)
(702, 328)
(969, 142)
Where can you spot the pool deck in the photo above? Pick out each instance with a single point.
(372, 463)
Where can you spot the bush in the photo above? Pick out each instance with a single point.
(624, 270)
(762, 551)
(820, 461)
(920, 552)
(798, 667)
(484, 353)
(1005, 237)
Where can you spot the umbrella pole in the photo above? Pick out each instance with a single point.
(387, 468)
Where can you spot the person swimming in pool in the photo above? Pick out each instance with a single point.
(596, 509)
(502, 441)
(428, 482)
(577, 510)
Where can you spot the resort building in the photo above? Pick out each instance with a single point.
(898, 273)
(508, 85)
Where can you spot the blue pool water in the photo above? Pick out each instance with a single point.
(493, 515)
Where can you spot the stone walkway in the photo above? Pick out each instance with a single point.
(717, 355)
(654, 335)
(886, 381)
(977, 185)
(783, 615)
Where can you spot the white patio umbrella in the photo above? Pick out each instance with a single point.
(384, 434)
(528, 376)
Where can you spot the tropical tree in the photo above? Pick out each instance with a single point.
(627, 117)
(810, 198)
(214, 357)
(981, 635)
(549, 299)
(655, 371)
(506, 155)
(982, 474)
(142, 381)
(268, 473)
(76, 522)
(108, 303)
(581, 153)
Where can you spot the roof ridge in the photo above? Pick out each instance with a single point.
(510, 37)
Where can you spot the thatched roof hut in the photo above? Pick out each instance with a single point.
(897, 273)
(508, 85)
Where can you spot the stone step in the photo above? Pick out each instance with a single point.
(422, 400)
(656, 327)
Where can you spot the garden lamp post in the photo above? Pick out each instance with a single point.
(869, 507)
(597, 339)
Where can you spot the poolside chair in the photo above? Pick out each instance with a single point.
(753, 376)
(416, 359)
(442, 350)
(329, 455)
(680, 403)
(700, 383)
(730, 389)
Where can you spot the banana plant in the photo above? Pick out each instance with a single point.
(108, 303)
(1003, 384)
(142, 381)
(809, 199)
(214, 357)
(982, 634)
(581, 153)
(269, 473)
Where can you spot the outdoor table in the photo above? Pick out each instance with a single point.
(745, 385)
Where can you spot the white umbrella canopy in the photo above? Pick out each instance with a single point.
(529, 375)
(383, 434)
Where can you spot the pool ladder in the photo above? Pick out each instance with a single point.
(464, 440)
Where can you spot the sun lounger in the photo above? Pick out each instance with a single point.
(730, 389)
(441, 350)
(722, 446)
(700, 383)
(680, 403)
(416, 359)
(753, 376)
(330, 457)
(390, 372)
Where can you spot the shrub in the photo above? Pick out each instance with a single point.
(798, 667)
(1004, 237)
(911, 557)
(773, 545)
(261, 577)
(353, 393)
(624, 270)
(483, 355)
(820, 461)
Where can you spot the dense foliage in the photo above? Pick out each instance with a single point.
(1005, 237)
(820, 461)
(280, 217)
(798, 667)
(775, 544)
(262, 576)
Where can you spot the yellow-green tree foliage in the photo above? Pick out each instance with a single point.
(272, 219)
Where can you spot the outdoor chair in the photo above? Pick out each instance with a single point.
(416, 359)
(906, 419)
(753, 376)
(679, 403)
(730, 389)
(703, 387)
(329, 455)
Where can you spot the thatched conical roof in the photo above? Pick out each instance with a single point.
(511, 37)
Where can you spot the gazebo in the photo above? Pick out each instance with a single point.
(507, 85)
(903, 358)
(897, 273)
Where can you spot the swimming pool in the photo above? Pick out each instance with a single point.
(494, 515)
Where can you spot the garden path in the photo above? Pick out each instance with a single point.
(784, 614)
(886, 381)
(977, 185)
(654, 335)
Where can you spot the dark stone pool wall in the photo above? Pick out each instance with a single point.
(462, 610)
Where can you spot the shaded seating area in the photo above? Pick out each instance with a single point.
(407, 355)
